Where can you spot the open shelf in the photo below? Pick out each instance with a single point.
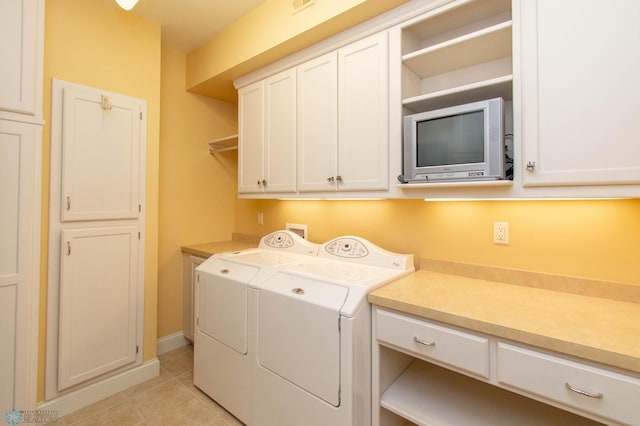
(460, 184)
(486, 89)
(427, 394)
(223, 144)
(461, 55)
(480, 46)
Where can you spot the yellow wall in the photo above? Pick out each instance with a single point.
(589, 239)
(97, 44)
(197, 190)
(268, 33)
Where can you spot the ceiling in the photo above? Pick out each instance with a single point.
(187, 24)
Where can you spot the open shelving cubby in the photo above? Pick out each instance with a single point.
(463, 54)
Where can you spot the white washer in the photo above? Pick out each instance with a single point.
(312, 329)
(222, 348)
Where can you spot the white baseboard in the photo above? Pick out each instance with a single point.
(173, 341)
(95, 392)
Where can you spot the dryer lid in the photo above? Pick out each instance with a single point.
(298, 333)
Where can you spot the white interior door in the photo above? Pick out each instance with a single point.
(97, 302)
(19, 262)
(100, 156)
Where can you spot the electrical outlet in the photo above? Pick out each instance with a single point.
(501, 232)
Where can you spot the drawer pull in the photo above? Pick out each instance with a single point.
(581, 392)
(423, 342)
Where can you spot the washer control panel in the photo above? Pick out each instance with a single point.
(346, 247)
(290, 242)
(278, 240)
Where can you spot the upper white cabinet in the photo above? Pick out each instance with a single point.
(20, 56)
(267, 154)
(363, 114)
(317, 119)
(580, 92)
(457, 53)
(343, 118)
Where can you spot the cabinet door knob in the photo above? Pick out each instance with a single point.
(339, 178)
(531, 166)
(264, 183)
(331, 179)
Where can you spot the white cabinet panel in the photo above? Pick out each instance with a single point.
(266, 159)
(189, 265)
(343, 107)
(280, 132)
(590, 389)
(580, 89)
(251, 137)
(363, 114)
(98, 302)
(317, 133)
(7, 348)
(19, 55)
(20, 168)
(101, 156)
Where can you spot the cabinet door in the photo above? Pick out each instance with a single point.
(189, 265)
(580, 90)
(251, 137)
(280, 132)
(19, 55)
(100, 156)
(317, 128)
(363, 114)
(98, 289)
(19, 263)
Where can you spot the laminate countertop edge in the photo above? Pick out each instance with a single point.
(238, 242)
(596, 329)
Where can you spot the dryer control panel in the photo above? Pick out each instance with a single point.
(346, 247)
(358, 250)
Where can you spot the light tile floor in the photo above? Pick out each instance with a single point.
(169, 399)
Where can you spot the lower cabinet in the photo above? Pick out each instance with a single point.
(99, 302)
(428, 373)
(189, 265)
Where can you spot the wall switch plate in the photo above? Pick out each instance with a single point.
(501, 232)
(260, 218)
(297, 228)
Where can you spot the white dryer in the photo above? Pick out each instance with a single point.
(312, 329)
(222, 349)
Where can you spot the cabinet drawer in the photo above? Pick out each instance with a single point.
(596, 391)
(430, 341)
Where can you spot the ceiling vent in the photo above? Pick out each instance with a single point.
(298, 5)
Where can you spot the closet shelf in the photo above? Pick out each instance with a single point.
(223, 144)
